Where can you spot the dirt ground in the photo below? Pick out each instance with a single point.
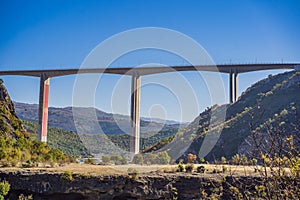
(100, 170)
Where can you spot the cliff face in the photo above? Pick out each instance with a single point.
(151, 186)
(10, 125)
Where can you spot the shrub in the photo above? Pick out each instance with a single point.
(191, 158)
(4, 189)
(117, 159)
(133, 173)
(23, 197)
(224, 169)
(90, 161)
(138, 159)
(163, 158)
(67, 175)
(223, 160)
(105, 159)
(201, 169)
(180, 167)
(150, 158)
(202, 160)
(189, 167)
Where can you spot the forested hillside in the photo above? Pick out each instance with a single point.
(268, 109)
(16, 145)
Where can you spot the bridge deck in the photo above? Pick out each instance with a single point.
(240, 68)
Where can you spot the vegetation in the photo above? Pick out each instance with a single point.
(66, 141)
(101, 144)
(201, 169)
(16, 145)
(133, 173)
(67, 175)
(161, 158)
(272, 102)
(4, 189)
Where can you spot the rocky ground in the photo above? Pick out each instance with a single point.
(81, 181)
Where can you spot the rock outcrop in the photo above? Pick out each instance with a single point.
(151, 186)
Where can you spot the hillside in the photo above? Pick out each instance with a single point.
(66, 141)
(269, 106)
(16, 145)
(101, 144)
(83, 121)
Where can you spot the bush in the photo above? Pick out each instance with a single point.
(180, 167)
(150, 158)
(191, 158)
(138, 159)
(105, 159)
(117, 159)
(23, 197)
(90, 161)
(4, 189)
(163, 158)
(67, 175)
(223, 160)
(133, 173)
(201, 169)
(224, 169)
(189, 167)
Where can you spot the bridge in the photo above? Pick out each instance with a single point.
(136, 73)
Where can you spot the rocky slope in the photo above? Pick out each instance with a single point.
(269, 106)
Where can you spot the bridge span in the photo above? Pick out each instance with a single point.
(136, 73)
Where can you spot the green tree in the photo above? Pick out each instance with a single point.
(163, 158)
(138, 159)
(150, 158)
(117, 159)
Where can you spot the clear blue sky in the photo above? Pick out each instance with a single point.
(60, 34)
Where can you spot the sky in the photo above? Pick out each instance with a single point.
(61, 34)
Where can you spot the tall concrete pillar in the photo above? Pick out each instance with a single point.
(230, 87)
(236, 86)
(43, 107)
(135, 115)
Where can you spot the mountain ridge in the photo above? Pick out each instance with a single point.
(88, 120)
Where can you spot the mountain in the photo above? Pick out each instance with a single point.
(17, 145)
(269, 107)
(91, 120)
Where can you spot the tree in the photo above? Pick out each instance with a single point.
(138, 159)
(150, 158)
(105, 159)
(163, 158)
(191, 158)
(117, 159)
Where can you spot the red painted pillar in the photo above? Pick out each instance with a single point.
(43, 107)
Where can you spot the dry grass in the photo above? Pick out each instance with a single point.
(99, 170)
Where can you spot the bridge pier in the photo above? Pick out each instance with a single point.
(43, 107)
(135, 115)
(236, 86)
(230, 86)
(233, 86)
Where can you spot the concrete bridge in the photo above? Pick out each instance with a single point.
(232, 69)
